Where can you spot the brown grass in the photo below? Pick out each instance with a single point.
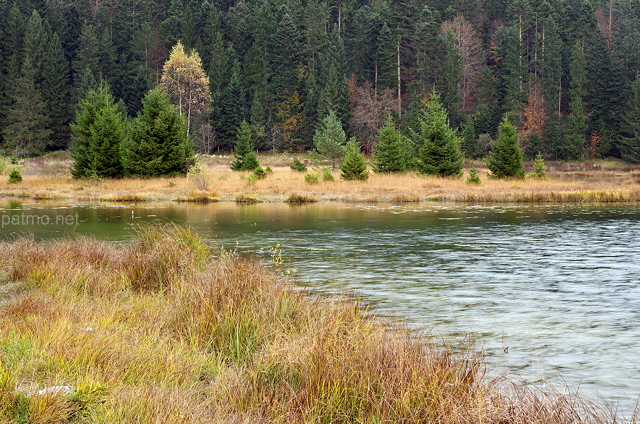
(168, 329)
(602, 181)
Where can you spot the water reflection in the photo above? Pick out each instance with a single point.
(557, 285)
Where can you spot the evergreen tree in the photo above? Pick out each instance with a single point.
(438, 146)
(576, 133)
(630, 145)
(95, 101)
(386, 59)
(330, 138)
(335, 93)
(26, 131)
(390, 154)
(604, 91)
(232, 107)
(470, 145)
(243, 149)
(107, 135)
(310, 117)
(55, 93)
(158, 144)
(505, 160)
(354, 166)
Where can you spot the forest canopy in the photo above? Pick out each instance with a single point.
(563, 71)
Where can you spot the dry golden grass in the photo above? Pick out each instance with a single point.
(575, 183)
(170, 330)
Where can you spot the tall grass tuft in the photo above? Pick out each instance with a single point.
(166, 329)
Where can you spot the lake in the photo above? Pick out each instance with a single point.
(549, 292)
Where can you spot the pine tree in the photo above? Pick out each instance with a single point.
(470, 145)
(576, 133)
(95, 101)
(158, 144)
(386, 59)
(438, 145)
(330, 138)
(390, 154)
(107, 135)
(26, 131)
(243, 148)
(505, 160)
(354, 166)
(55, 92)
(630, 145)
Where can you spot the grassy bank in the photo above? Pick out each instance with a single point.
(584, 182)
(168, 330)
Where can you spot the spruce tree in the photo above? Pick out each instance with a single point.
(630, 144)
(505, 160)
(158, 144)
(354, 166)
(329, 139)
(26, 132)
(390, 154)
(576, 133)
(55, 93)
(94, 103)
(107, 135)
(243, 149)
(438, 145)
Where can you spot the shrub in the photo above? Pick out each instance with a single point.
(539, 168)
(300, 198)
(327, 175)
(311, 178)
(298, 165)
(15, 176)
(473, 177)
(260, 173)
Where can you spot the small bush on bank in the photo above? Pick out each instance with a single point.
(15, 176)
(298, 165)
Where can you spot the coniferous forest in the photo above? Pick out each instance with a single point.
(564, 73)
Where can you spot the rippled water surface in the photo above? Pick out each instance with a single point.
(549, 292)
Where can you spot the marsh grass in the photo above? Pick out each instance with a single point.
(583, 182)
(167, 329)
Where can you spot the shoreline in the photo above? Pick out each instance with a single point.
(48, 178)
(218, 337)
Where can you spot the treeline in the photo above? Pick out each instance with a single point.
(564, 72)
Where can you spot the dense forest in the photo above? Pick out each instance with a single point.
(565, 72)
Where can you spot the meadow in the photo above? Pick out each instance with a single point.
(168, 329)
(575, 182)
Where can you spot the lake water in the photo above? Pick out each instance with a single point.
(550, 293)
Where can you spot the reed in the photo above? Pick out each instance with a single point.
(168, 329)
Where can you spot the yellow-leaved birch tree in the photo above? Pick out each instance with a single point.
(184, 79)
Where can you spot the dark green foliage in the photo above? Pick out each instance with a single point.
(107, 134)
(470, 142)
(55, 93)
(298, 165)
(438, 145)
(473, 177)
(386, 59)
(246, 159)
(390, 154)
(354, 166)
(26, 132)
(505, 160)
(630, 145)
(15, 176)
(250, 162)
(157, 144)
(98, 132)
(88, 109)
